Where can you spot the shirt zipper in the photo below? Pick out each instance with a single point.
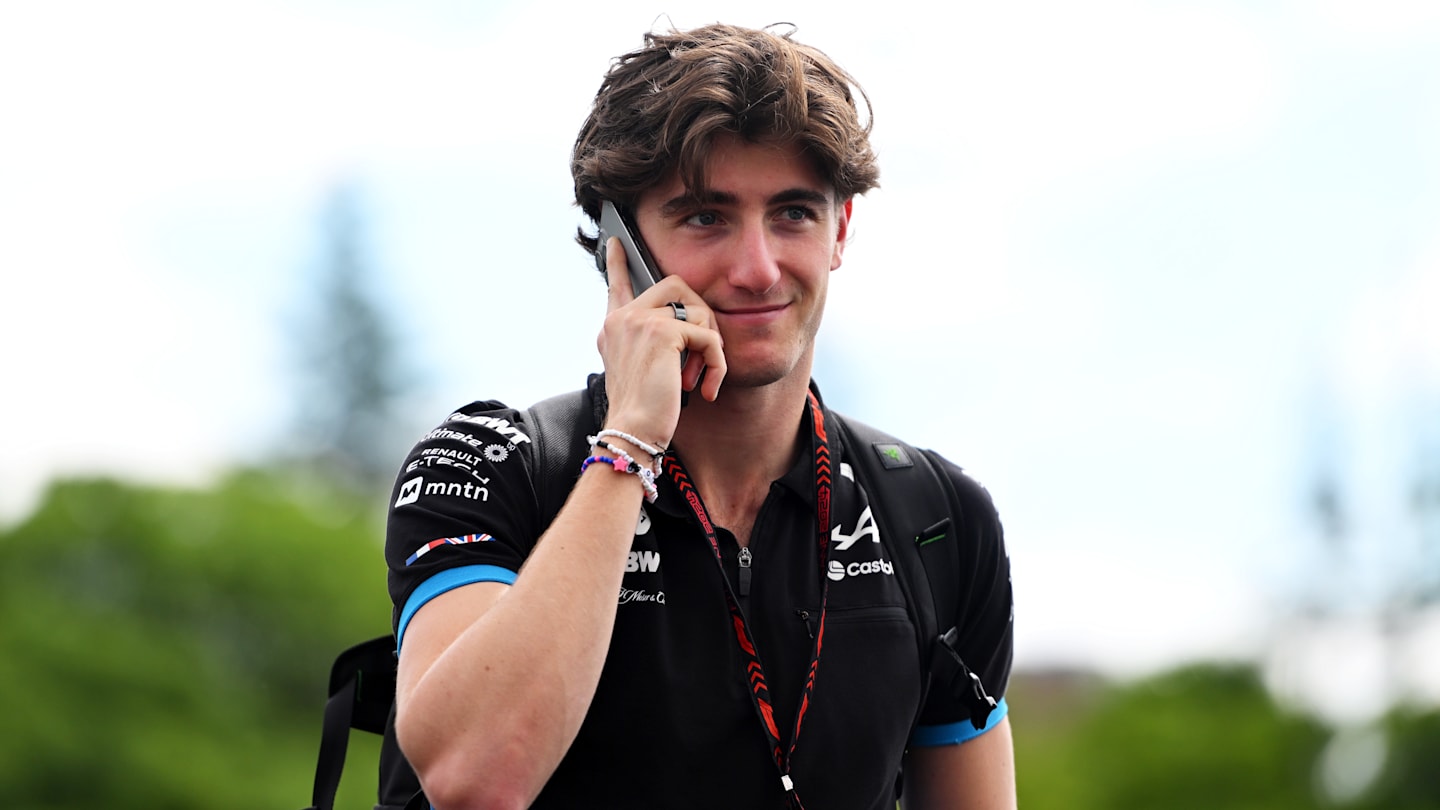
(745, 559)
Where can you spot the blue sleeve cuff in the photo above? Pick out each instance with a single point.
(954, 733)
(448, 580)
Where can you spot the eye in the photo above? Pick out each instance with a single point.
(797, 213)
(704, 219)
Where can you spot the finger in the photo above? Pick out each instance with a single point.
(617, 275)
(705, 366)
(714, 371)
(693, 371)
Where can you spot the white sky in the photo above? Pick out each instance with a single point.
(1140, 265)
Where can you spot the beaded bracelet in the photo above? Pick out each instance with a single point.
(653, 452)
(628, 465)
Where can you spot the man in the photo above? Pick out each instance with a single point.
(523, 678)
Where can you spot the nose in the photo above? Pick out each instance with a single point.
(753, 264)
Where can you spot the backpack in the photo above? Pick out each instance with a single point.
(916, 509)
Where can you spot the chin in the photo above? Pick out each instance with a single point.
(749, 378)
(761, 373)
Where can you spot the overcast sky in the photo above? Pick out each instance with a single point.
(1142, 266)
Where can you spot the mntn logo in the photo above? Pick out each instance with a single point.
(839, 570)
(410, 491)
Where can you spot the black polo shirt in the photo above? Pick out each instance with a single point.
(672, 723)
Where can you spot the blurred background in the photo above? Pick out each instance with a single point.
(1162, 275)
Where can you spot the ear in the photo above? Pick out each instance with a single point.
(842, 232)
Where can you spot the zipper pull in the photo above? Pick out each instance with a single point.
(745, 558)
(804, 616)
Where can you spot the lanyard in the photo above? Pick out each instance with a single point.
(754, 673)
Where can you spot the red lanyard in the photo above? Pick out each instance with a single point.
(754, 673)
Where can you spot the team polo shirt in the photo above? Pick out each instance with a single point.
(672, 723)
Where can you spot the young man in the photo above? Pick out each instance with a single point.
(659, 642)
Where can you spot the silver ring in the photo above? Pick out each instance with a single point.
(679, 310)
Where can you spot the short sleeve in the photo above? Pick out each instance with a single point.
(984, 617)
(463, 508)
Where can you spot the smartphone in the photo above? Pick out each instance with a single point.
(643, 273)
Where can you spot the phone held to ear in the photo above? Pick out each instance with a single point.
(643, 272)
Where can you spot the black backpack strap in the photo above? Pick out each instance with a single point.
(919, 508)
(911, 509)
(362, 691)
(559, 427)
(940, 552)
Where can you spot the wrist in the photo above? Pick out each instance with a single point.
(614, 441)
(622, 462)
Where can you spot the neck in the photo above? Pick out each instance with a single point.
(735, 446)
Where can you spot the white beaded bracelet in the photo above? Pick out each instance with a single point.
(649, 450)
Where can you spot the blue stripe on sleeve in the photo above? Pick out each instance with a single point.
(953, 733)
(449, 580)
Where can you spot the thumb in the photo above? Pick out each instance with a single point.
(617, 274)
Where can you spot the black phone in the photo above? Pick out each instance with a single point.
(643, 272)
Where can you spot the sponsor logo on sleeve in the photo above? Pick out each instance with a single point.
(412, 490)
(501, 426)
(435, 457)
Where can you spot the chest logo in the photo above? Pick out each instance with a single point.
(839, 570)
(643, 561)
(865, 527)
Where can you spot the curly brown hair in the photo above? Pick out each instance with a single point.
(661, 106)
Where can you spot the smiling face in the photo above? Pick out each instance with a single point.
(758, 246)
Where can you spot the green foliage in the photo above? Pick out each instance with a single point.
(1200, 737)
(170, 648)
(1407, 780)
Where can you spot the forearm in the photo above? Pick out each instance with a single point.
(510, 688)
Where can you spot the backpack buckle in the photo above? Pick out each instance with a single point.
(961, 681)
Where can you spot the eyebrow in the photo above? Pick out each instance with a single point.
(683, 202)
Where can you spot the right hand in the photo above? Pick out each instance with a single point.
(641, 343)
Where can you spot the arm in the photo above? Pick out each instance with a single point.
(495, 680)
(978, 774)
(504, 674)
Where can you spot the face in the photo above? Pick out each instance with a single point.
(758, 248)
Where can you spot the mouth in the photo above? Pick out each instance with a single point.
(753, 311)
(752, 317)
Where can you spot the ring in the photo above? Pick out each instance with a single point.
(679, 310)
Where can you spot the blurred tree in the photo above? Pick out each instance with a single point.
(1407, 781)
(349, 363)
(171, 649)
(1203, 736)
